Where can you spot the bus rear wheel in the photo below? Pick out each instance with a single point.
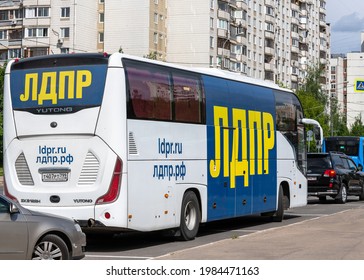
(190, 216)
(279, 214)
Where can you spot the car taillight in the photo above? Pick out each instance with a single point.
(330, 173)
(6, 192)
(114, 188)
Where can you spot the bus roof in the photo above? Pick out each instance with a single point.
(114, 61)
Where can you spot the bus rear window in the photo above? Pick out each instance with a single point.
(61, 89)
(159, 93)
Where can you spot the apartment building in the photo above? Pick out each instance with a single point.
(347, 83)
(338, 84)
(39, 27)
(275, 40)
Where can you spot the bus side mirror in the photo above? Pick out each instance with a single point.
(360, 167)
(316, 132)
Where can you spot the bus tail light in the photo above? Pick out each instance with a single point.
(114, 188)
(6, 191)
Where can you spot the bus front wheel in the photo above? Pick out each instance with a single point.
(190, 216)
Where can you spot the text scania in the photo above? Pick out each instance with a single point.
(71, 85)
(248, 155)
(53, 155)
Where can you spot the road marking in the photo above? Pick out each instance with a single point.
(116, 257)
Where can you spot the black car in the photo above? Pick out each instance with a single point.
(334, 174)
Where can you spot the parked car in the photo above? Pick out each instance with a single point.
(334, 174)
(26, 234)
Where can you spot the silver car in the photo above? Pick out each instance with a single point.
(26, 234)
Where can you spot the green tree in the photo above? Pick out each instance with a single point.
(357, 129)
(316, 104)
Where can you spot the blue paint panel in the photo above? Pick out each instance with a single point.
(91, 93)
(230, 193)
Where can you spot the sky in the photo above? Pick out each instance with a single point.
(347, 21)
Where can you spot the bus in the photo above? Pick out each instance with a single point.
(123, 143)
(352, 146)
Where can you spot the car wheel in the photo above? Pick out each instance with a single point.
(343, 196)
(361, 196)
(190, 216)
(51, 247)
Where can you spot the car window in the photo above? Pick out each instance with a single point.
(352, 164)
(318, 164)
(337, 161)
(345, 163)
(4, 206)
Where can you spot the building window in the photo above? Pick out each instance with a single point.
(37, 12)
(3, 35)
(65, 32)
(223, 24)
(37, 32)
(269, 26)
(155, 18)
(101, 37)
(65, 12)
(101, 17)
(155, 38)
(212, 42)
(14, 53)
(4, 15)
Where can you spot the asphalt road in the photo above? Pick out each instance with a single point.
(318, 231)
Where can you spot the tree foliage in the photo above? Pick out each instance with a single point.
(318, 106)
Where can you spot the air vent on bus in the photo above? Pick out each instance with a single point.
(23, 172)
(132, 144)
(90, 169)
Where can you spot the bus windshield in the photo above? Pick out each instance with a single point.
(349, 147)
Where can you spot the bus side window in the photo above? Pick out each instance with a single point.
(149, 91)
(187, 98)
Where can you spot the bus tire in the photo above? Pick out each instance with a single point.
(190, 216)
(279, 214)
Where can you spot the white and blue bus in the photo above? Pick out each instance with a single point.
(124, 143)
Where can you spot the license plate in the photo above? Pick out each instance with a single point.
(311, 178)
(55, 177)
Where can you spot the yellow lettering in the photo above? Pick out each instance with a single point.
(66, 77)
(49, 82)
(255, 125)
(239, 167)
(269, 138)
(31, 82)
(84, 79)
(248, 155)
(220, 113)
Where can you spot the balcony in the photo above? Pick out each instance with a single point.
(270, 3)
(269, 67)
(269, 50)
(269, 35)
(223, 15)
